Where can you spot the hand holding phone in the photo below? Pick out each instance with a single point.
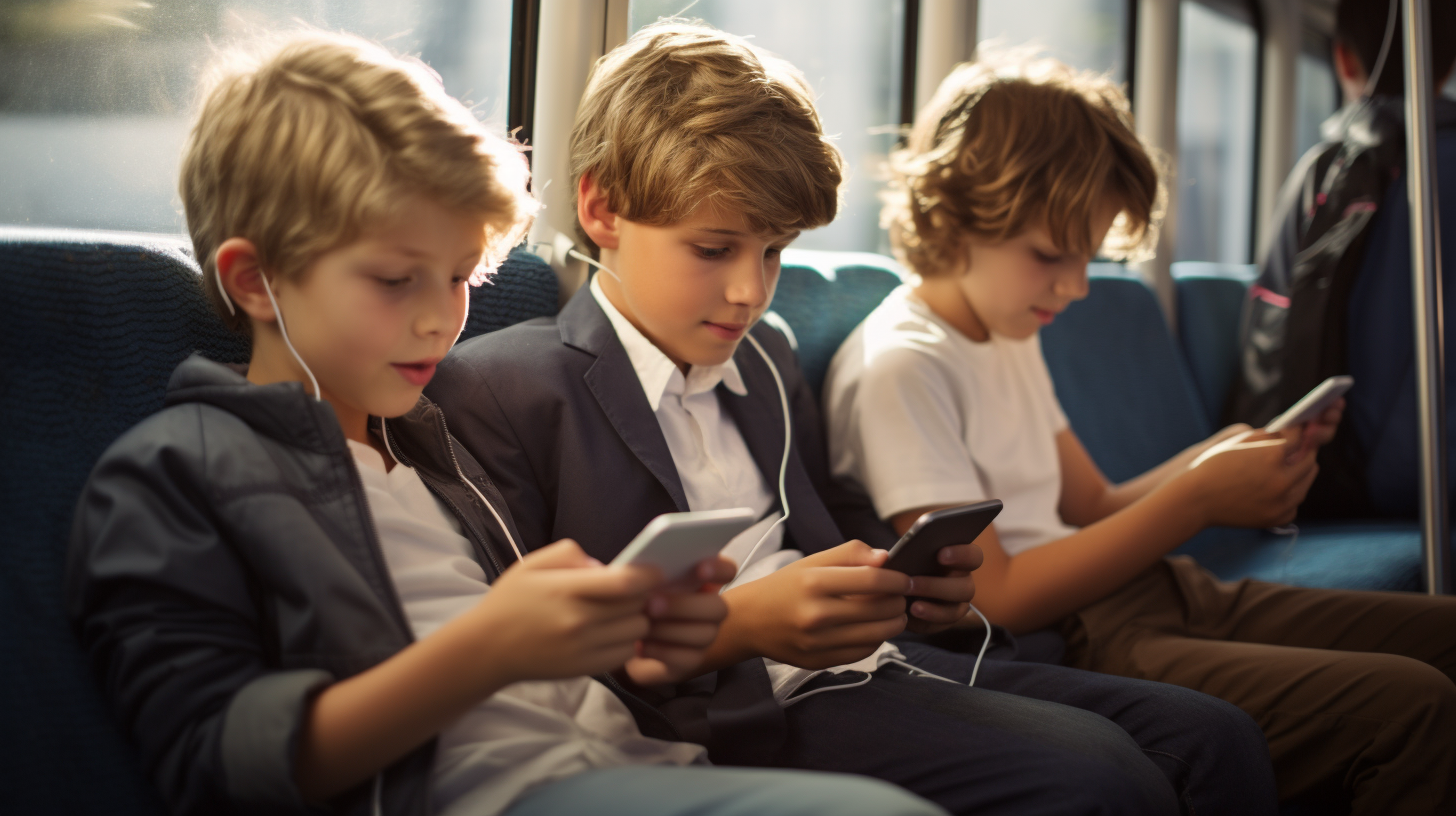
(1312, 405)
(676, 542)
(916, 553)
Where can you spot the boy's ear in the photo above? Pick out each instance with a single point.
(241, 277)
(597, 219)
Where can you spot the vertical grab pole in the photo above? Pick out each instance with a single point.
(1426, 290)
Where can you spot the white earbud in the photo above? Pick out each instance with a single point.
(233, 310)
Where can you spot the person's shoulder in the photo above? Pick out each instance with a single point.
(188, 445)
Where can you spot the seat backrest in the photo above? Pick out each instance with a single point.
(824, 295)
(1210, 306)
(91, 326)
(1120, 377)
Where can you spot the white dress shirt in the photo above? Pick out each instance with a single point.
(526, 733)
(717, 471)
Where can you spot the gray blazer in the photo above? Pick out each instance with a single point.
(555, 413)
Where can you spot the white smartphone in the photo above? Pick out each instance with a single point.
(1312, 404)
(675, 542)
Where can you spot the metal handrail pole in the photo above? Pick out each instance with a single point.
(1426, 291)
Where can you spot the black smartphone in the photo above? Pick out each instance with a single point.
(915, 553)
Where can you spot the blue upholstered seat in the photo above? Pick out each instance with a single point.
(1210, 306)
(91, 326)
(824, 295)
(1120, 377)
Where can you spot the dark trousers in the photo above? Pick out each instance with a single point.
(1211, 753)
(975, 751)
(1353, 690)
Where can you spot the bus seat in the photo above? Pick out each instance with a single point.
(1120, 377)
(1368, 555)
(824, 295)
(91, 326)
(1210, 307)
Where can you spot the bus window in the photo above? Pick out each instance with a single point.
(95, 97)
(1316, 96)
(1089, 34)
(851, 53)
(1216, 114)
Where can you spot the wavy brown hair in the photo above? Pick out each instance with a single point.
(1002, 148)
(683, 114)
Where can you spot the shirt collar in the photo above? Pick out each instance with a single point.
(655, 371)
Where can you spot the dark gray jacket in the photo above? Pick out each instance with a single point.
(224, 568)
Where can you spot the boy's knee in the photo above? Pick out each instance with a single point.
(1098, 788)
(1419, 688)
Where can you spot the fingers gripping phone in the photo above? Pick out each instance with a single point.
(676, 542)
(1313, 404)
(916, 553)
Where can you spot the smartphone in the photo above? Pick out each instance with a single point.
(676, 542)
(1311, 405)
(915, 553)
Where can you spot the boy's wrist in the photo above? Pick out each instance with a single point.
(1186, 496)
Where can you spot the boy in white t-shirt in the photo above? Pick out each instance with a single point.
(1012, 179)
(302, 595)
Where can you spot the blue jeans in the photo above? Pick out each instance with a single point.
(657, 790)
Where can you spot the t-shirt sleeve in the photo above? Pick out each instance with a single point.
(906, 435)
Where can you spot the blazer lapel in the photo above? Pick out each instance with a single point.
(614, 384)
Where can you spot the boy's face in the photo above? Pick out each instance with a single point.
(1018, 285)
(372, 318)
(696, 287)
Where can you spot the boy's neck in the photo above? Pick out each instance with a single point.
(947, 300)
(612, 289)
(271, 363)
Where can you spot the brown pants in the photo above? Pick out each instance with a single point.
(1352, 689)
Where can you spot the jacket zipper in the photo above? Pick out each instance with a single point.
(464, 517)
(461, 473)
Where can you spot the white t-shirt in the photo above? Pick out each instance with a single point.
(921, 415)
(526, 733)
(718, 471)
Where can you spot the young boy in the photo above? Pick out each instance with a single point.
(297, 589)
(1009, 184)
(696, 159)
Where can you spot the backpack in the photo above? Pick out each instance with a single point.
(1294, 327)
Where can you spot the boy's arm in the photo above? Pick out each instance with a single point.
(167, 613)
(1253, 485)
(1087, 496)
(554, 615)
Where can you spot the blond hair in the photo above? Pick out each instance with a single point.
(302, 144)
(1006, 147)
(683, 114)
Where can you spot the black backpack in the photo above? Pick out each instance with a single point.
(1294, 328)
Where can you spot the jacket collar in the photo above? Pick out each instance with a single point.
(289, 414)
(613, 382)
(283, 411)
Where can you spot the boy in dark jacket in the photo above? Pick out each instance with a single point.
(297, 589)
(696, 158)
